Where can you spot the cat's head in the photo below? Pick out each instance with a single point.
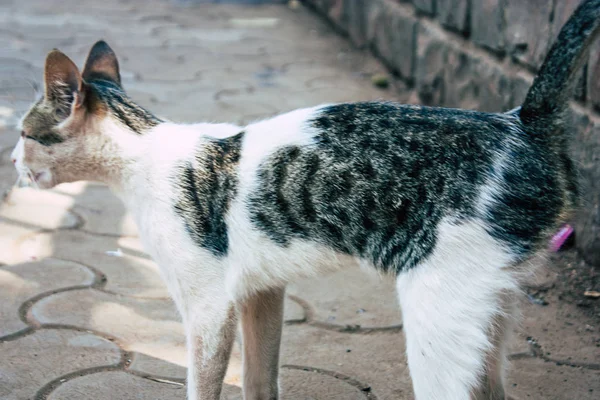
(62, 133)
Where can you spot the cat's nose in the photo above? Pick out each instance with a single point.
(14, 160)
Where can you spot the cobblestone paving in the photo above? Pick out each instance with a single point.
(83, 312)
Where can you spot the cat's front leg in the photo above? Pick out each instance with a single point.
(210, 330)
(262, 318)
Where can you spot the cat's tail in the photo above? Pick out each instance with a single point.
(547, 100)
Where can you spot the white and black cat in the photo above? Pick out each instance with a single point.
(453, 203)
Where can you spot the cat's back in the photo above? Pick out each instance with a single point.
(375, 180)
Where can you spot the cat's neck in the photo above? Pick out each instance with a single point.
(117, 154)
(133, 164)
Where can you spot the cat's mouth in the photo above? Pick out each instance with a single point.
(36, 179)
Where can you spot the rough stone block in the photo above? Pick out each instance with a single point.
(425, 6)
(357, 12)
(586, 151)
(453, 14)
(528, 30)
(487, 24)
(253, 2)
(474, 82)
(395, 39)
(334, 10)
(580, 89)
(519, 87)
(593, 75)
(562, 11)
(432, 56)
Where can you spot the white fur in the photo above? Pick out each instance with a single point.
(449, 303)
(255, 261)
(203, 286)
(18, 154)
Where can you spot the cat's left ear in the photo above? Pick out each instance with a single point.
(102, 63)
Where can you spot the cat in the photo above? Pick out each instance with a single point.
(452, 203)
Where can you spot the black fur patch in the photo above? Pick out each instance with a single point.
(205, 189)
(382, 176)
(538, 185)
(122, 107)
(46, 139)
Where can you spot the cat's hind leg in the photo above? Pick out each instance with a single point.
(452, 303)
(262, 319)
(492, 384)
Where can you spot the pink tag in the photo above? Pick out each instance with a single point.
(559, 239)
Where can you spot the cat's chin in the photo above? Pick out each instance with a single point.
(38, 180)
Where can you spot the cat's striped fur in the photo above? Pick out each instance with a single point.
(453, 203)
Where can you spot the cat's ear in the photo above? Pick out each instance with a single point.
(62, 83)
(102, 63)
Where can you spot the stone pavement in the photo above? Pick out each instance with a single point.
(83, 312)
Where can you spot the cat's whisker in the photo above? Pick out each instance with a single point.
(33, 183)
(35, 87)
(19, 179)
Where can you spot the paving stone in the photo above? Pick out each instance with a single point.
(376, 360)
(235, 64)
(8, 175)
(19, 86)
(10, 234)
(8, 135)
(8, 140)
(131, 274)
(146, 364)
(351, 297)
(538, 380)
(293, 312)
(20, 282)
(145, 326)
(312, 384)
(112, 385)
(101, 210)
(38, 209)
(560, 328)
(30, 362)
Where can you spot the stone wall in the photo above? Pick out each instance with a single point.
(480, 54)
